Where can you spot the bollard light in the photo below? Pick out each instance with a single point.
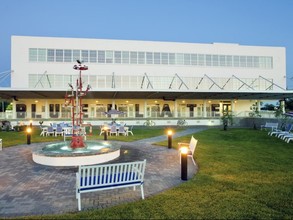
(31, 123)
(28, 135)
(170, 133)
(183, 152)
(105, 133)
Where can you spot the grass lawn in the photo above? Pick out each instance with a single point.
(243, 174)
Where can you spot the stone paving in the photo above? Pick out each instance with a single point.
(27, 188)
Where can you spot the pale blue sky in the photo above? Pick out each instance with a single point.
(247, 22)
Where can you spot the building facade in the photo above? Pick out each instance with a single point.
(143, 79)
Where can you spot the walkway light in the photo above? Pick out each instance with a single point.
(28, 135)
(170, 134)
(31, 123)
(183, 152)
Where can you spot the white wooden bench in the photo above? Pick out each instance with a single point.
(191, 146)
(109, 176)
(271, 125)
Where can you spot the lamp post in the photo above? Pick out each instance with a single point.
(31, 123)
(183, 152)
(28, 135)
(169, 133)
(105, 133)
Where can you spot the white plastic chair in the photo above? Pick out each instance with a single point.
(59, 131)
(50, 131)
(130, 130)
(191, 146)
(113, 130)
(121, 130)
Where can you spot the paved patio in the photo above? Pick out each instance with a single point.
(27, 188)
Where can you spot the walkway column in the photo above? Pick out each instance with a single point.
(175, 109)
(46, 109)
(113, 104)
(13, 109)
(282, 105)
(204, 108)
(145, 109)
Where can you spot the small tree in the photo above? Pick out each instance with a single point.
(227, 119)
(254, 114)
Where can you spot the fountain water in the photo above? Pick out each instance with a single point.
(78, 151)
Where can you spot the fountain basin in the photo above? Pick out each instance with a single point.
(61, 154)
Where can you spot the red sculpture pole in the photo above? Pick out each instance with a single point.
(76, 102)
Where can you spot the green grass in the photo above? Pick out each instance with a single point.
(243, 174)
(13, 138)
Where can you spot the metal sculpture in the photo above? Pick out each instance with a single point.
(74, 100)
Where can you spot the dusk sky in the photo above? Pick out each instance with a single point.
(246, 22)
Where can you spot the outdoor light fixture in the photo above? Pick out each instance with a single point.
(28, 135)
(31, 123)
(184, 152)
(105, 133)
(169, 133)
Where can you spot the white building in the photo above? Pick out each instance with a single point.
(145, 79)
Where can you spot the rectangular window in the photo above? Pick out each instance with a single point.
(33, 54)
(67, 55)
(229, 61)
(208, 60)
(85, 56)
(201, 60)
(172, 58)
(93, 56)
(133, 57)
(157, 58)
(179, 58)
(249, 61)
(215, 60)
(164, 58)
(59, 55)
(117, 56)
(193, 59)
(42, 55)
(236, 61)
(50, 55)
(149, 58)
(186, 59)
(76, 55)
(222, 60)
(125, 57)
(256, 62)
(109, 56)
(101, 56)
(141, 57)
(242, 61)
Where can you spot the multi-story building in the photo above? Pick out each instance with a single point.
(144, 79)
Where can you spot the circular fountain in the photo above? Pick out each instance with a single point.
(61, 154)
(78, 151)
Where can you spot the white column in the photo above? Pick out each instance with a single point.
(46, 109)
(113, 104)
(205, 108)
(145, 109)
(13, 109)
(175, 109)
(282, 103)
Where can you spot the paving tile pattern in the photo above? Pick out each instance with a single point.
(27, 188)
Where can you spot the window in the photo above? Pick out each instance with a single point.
(117, 56)
(76, 55)
(42, 55)
(222, 60)
(186, 59)
(133, 57)
(249, 61)
(172, 58)
(215, 60)
(229, 60)
(208, 59)
(149, 58)
(33, 54)
(201, 60)
(242, 61)
(193, 58)
(67, 55)
(59, 55)
(109, 56)
(157, 58)
(125, 57)
(179, 58)
(236, 61)
(101, 56)
(85, 56)
(141, 57)
(93, 56)
(165, 58)
(50, 55)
